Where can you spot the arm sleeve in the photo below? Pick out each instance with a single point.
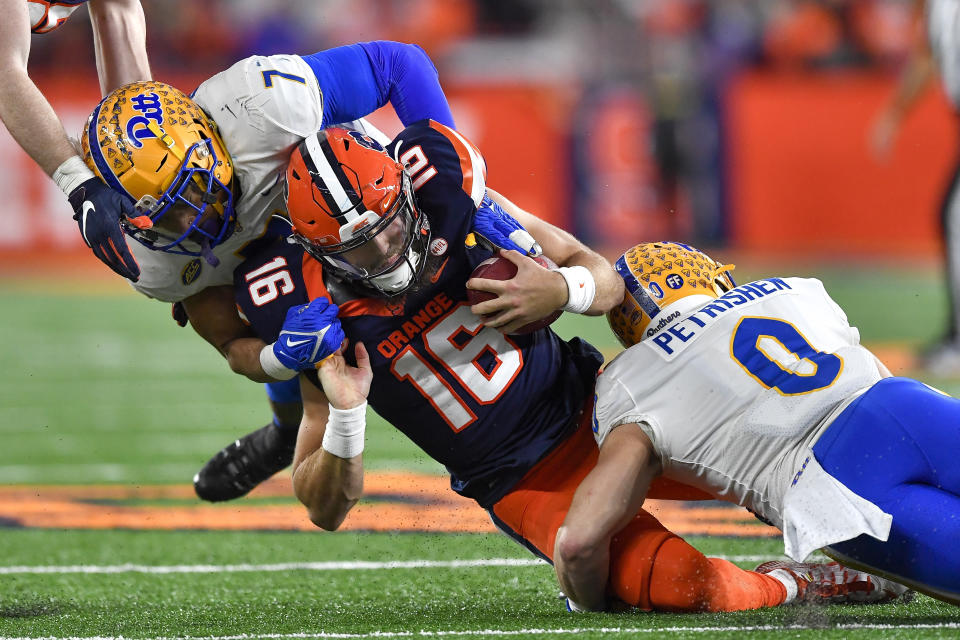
(358, 79)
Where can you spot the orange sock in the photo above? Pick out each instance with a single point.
(683, 579)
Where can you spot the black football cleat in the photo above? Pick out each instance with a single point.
(245, 463)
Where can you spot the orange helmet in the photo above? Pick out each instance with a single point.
(353, 208)
(661, 277)
(151, 142)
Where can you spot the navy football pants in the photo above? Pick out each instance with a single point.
(898, 446)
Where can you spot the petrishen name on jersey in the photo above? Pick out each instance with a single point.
(672, 339)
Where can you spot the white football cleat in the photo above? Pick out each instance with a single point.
(830, 583)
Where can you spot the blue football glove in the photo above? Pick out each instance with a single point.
(98, 210)
(311, 333)
(497, 229)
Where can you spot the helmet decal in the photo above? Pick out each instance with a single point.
(152, 143)
(138, 126)
(657, 275)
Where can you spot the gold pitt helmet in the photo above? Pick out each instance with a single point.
(659, 275)
(151, 142)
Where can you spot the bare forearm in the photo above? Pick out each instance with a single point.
(606, 500)
(32, 121)
(583, 578)
(119, 38)
(213, 315)
(328, 486)
(609, 285)
(564, 249)
(243, 356)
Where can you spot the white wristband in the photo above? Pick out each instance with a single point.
(581, 288)
(71, 174)
(272, 366)
(344, 435)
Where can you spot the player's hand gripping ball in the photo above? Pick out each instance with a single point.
(499, 268)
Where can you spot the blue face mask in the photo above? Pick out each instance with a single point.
(202, 194)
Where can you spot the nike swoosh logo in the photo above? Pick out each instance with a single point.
(87, 208)
(297, 343)
(436, 276)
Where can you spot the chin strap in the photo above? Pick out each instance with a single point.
(207, 252)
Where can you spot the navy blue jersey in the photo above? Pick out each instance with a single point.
(487, 406)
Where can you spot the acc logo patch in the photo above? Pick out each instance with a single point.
(438, 247)
(191, 272)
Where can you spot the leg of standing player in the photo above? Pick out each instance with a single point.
(897, 446)
(944, 357)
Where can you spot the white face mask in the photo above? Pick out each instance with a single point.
(399, 278)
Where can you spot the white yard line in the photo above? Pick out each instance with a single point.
(355, 565)
(320, 635)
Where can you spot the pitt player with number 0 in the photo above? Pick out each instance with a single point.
(761, 395)
(386, 236)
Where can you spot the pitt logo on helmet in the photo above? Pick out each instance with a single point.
(152, 143)
(663, 277)
(138, 127)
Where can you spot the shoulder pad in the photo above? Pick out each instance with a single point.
(428, 147)
(276, 93)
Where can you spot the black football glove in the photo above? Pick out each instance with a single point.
(98, 210)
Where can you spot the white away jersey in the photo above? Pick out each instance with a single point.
(732, 394)
(263, 107)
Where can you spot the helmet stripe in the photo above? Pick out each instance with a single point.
(636, 290)
(96, 153)
(336, 190)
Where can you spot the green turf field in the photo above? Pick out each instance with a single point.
(107, 389)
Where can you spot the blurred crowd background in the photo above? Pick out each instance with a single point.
(742, 123)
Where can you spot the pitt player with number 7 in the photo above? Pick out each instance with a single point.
(204, 174)
(389, 237)
(761, 395)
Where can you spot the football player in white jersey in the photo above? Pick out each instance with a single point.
(761, 395)
(205, 173)
(119, 35)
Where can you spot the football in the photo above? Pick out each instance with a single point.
(498, 268)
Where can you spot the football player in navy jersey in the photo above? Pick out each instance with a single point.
(119, 35)
(386, 239)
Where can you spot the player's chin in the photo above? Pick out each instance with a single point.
(425, 280)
